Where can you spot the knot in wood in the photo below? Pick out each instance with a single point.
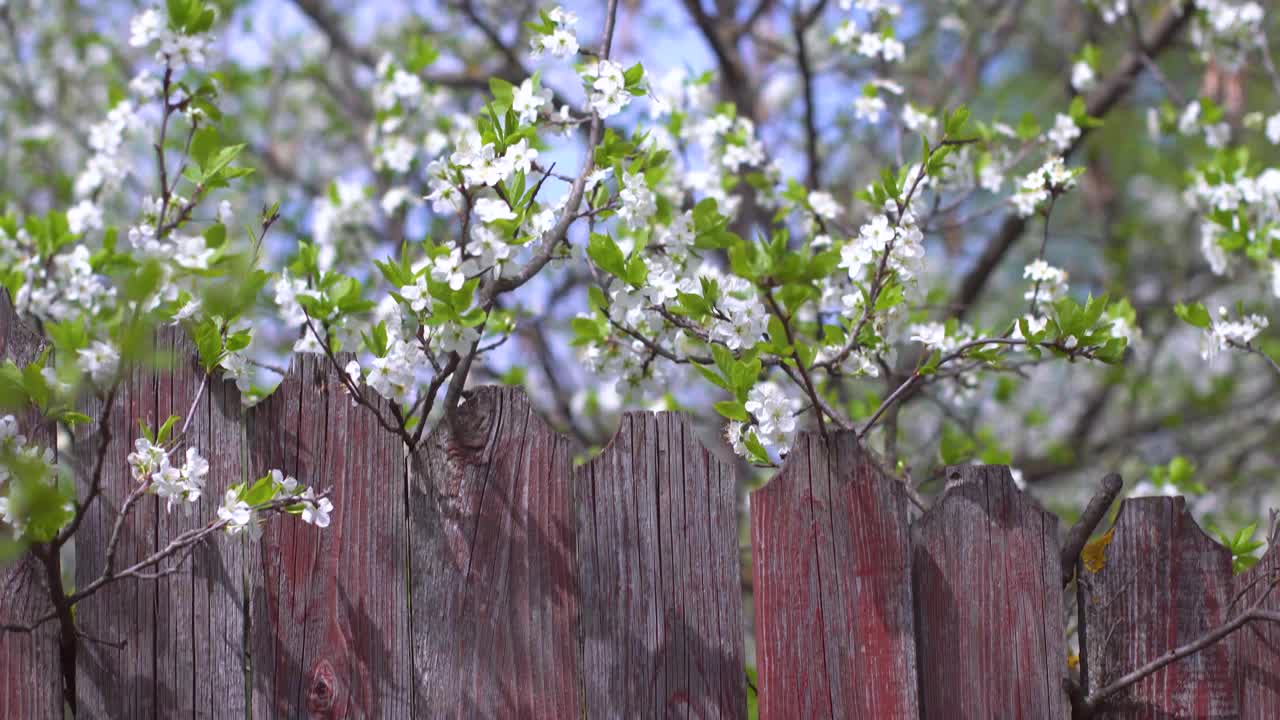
(323, 688)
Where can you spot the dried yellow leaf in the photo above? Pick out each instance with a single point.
(1094, 554)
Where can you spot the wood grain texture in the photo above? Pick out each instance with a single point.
(184, 633)
(989, 614)
(833, 598)
(200, 619)
(30, 669)
(1164, 583)
(658, 567)
(493, 586)
(117, 681)
(329, 618)
(1257, 645)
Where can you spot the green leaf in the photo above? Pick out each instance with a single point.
(596, 298)
(220, 161)
(144, 281)
(1194, 315)
(162, 435)
(606, 254)
(733, 410)
(263, 491)
(956, 447)
(753, 445)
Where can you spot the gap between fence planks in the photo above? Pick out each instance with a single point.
(497, 580)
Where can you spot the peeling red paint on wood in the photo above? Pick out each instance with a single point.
(1165, 583)
(30, 669)
(657, 556)
(989, 612)
(493, 585)
(328, 621)
(1257, 645)
(831, 558)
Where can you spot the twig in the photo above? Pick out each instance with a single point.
(1079, 533)
(795, 355)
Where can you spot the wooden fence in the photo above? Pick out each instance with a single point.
(489, 577)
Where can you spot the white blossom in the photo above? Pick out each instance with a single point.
(493, 209)
(638, 201)
(99, 361)
(527, 101)
(1273, 129)
(84, 215)
(315, 511)
(1083, 78)
(774, 412)
(236, 513)
(1064, 132)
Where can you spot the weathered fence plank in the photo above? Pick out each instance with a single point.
(989, 614)
(220, 568)
(30, 670)
(329, 621)
(1257, 645)
(1164, 583)
(833, 598)
(658, 567)
(493, 586)
(200, 611)
(183, 633)
(115, 673)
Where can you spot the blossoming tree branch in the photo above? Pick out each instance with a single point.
(961, 233)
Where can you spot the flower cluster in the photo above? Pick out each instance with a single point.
(1225, 333)
(1226, 30)
(150, 465)
(1241, 215)
(242, 505)
(1048, 283)
(774, 413)
(555, 35)
(109, 164)
(872, 43)
(182, 39)
(607, 87)
(1051, 178)
(901, 243)
(394, 376)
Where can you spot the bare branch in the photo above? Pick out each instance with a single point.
(1079, 533)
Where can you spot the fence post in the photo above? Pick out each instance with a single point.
(30, 669)
(831, 555)
(988, 588)
(658, 566)
(1163, 583)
